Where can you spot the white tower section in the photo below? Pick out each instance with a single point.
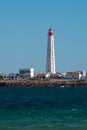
(50, 65)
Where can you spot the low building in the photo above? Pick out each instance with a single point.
(48, 76)
(56, 76)
(1, 76)
(83, 73)
(75, 75)
(40, 76)
(11, 76)
(5, 76)
(26, 73)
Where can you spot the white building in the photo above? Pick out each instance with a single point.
(26, 73)
(50, 64)
(75, 75)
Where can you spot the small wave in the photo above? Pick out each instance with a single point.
(74, 109)
(62, 86)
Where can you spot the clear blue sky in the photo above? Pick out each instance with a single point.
(24, 26)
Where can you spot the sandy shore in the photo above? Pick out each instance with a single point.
(43, 83)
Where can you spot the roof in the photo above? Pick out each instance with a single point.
(40, 75)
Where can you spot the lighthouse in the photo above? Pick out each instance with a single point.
(50, 63)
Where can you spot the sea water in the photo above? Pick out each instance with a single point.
(43, 108)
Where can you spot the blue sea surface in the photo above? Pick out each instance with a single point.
(43, 108)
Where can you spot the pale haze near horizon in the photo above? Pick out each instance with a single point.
(24, 27)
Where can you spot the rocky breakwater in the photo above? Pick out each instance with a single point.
(43, 83)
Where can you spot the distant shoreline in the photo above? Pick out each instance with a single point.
(43, 83)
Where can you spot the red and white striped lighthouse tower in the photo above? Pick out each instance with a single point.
(50, 64)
